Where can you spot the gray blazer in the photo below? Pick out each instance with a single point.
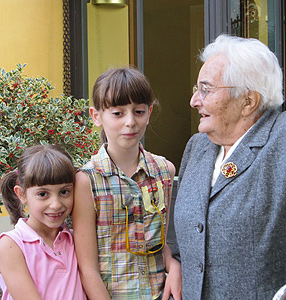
(232, 237)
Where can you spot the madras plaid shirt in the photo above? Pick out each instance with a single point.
(128, 276)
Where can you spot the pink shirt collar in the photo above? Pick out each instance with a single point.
(29, 235)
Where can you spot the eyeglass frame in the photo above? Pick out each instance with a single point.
(159, 245)
(125, 207)
(207, 88)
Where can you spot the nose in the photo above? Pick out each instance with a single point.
(130, 120)
(195, 100)
(55, 203)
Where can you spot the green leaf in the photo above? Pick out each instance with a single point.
(67, 139)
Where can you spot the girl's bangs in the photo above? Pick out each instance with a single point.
(49, 169)
(125, 93)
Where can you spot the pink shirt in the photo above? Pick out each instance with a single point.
(54, 271)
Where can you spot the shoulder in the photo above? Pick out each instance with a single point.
(196, 143)
(270, 129)
(82, 185)
(8, 248)
(161, 160)
(18, 233)
(6, 241)
(280, 124)
(82, 178)
(83, 197)
(197, 140)
(172, 169)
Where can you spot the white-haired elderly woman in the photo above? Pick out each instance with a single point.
(230, 212)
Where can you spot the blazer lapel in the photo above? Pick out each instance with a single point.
(205, 172)
(243, 156)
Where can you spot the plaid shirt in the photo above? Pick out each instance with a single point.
(128, 276)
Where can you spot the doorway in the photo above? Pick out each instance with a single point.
(172, 32)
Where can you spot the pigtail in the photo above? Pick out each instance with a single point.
(12, 203)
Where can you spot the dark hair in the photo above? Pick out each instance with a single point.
(121, 86)
(38, 165)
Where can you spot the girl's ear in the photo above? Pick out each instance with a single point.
(150, 112)
(20, 193)
(95, 115)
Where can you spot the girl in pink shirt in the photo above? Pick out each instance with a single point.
(37, 258)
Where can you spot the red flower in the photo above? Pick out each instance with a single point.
(11, 155)
(51, 131)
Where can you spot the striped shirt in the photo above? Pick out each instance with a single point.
(126, 275)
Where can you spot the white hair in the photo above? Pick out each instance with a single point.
(251, 66)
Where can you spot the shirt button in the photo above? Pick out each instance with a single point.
(201, 267)
(143, 272)
(140, 246)
(200, 227)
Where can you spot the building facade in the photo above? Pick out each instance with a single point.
(71, 42)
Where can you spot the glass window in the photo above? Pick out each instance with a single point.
(263, 20)
(172, 33)
(165, 38)
(257, 19)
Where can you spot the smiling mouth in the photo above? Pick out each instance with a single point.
(55, 216)
(204, 115)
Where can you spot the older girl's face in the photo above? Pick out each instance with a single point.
(124, 125)
(221, 115)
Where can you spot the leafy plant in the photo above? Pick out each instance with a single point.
(29, 116)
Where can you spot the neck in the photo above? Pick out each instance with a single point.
(47, 234)
(127, 160)
(243, 127)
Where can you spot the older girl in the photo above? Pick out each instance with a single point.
(122, 199)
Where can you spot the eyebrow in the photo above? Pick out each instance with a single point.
(205, 82)
(44, 187)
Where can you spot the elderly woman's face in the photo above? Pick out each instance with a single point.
(220, 114)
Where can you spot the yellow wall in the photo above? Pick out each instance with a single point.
(31, 32)
(4, 212)
(108, 41)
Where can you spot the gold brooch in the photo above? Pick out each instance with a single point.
(229, 170)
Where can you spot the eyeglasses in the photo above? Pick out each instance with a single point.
(158, 246)
(154, 249)
(204, 90)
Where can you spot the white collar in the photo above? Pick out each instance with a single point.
(220, 160)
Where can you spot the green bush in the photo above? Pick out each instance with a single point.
(29, 116)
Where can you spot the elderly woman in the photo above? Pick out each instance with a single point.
(230, 211)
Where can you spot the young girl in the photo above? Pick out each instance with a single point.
(37, 258)
(122, 199)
